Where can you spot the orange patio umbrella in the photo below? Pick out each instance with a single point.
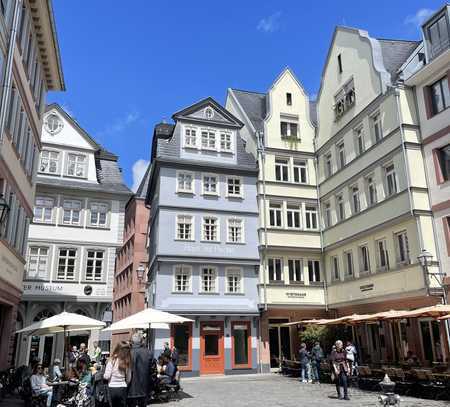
(337, 321)
(444, 317)
(391, 314)
(434, 311)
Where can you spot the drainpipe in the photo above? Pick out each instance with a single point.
(7, 83)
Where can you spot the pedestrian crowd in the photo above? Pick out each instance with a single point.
(343, 363)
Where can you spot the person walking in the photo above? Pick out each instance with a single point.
(118, 374)
(316, 360)
(140, 386)
(350, 349)
(303, 358)
(97, 354)
(340, 370)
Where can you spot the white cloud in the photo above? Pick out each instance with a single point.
(120, 124)
(138, 169)
(269, 24)
(418, 18)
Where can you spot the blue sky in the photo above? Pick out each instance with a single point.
(128, 67)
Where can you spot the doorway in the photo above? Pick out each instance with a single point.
(279, 341)
(211, 348)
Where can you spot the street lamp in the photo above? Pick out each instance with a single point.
(425, 258)
(140, 273)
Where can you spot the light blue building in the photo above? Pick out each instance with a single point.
(203, 240)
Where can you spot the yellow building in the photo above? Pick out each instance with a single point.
(30, 66)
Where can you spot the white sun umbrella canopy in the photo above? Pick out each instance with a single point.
(148, 318)
(63, 322)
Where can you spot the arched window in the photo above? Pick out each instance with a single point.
(79, 311)
(44, 314)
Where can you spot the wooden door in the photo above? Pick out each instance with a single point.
(211, 348)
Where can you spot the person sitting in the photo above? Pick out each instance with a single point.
(168, 374)
(39, 384)
(84, 372)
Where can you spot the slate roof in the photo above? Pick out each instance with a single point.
(254, 105)
(395, 53)
(143, 186)
(313, 111)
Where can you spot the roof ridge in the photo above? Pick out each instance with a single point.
(248, 91)
(398, 40)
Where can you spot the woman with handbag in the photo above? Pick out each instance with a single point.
(340, 370)
(118, 374)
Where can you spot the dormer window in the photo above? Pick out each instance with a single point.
(49, 162)
(437, 35)
(76, 165)
(190, 137)
(225, 142)
(208, 140)
(289, 99)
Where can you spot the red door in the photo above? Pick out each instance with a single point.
(211, 348)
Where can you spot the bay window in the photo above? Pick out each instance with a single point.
(282, 169)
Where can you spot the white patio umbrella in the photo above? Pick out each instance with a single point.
(148, 318)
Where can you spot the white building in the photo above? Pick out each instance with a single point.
(76, 230)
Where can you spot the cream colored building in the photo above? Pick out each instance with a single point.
(30, 66)
(375, 206)
(279, 129)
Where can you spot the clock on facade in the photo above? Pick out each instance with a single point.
(53, 124)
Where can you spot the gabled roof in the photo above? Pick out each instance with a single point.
(186, 113)
(395, 53)
(143, 186)
(254, 105)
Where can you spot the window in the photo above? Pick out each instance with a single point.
(37, 262)
(377, 129)
(66, 264)
(391, 180)
(210, 229)
(275, 272)
(348, 264)
(438, 36)
(71, 212)
(209, 276)
(339, 58)
(282, 169)
(99, 212)
(94, 265)
(241, 334)
(288, 129)
(364, 263)
(234, 187)
(356, 206)
(335, 267)
(289, 99)
(300, 171)
(440, 95)
(328, 165)
(49, 162)
(444, 162)
(185, 182)
(371, 191)
(402, 247)
(182, 279)
(275, 215)
(225, 142)
(208, 140)
(311, 217)
(210, 186)
(76, 165)
(185, 227)
(314, 271)
(382, 255)
(234, 281)
(293, 216)
(182, 334)
(43, 209)
(235, 231)
(190, 137)
(295, 270)
(327, 214)
(341, 154)
(359, 141)
(340, 207)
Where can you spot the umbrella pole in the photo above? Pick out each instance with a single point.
(66, 359)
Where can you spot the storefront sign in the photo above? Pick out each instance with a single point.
(56, 289)
(366, 287)
(296, 295)
(208, 249)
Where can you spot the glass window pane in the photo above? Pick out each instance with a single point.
(181, 335)
(211, 345)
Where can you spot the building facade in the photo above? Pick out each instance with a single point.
(280, 133)
(203, 240)
(374, 198)
(76, 230)
(30, 66)
(129, 294)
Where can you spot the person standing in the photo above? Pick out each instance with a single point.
(118, 374)
(303, 357)
(73, 357)
(97, 355)
(175, 356)
(351, 357)
(316, 360)
(141, 361)
(84, 354)
(340, 369)
(166, 351)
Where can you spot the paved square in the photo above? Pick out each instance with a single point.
(274, 390)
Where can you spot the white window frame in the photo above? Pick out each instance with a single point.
(340, 154)
(80, 216)
(50, 160)
(375, 121)
(405, 244)
(382, 267)
(327, 219)
(294, 262)
(191, 137)
(223, 140)
(284, 165)
(292, 209)
(184, 270)
(48, 207)
(38, 258)
(390, 174)
(215, 280)
(289, 130)
(361, 258)
(211, 135)
(297, 167)
(184, 190)
(276, 207)
(274, 261)
(217, 184)
(192, 223)
(241, 187)
(360, 146)
(97, 224)
(233, 272)
(66, 263)
(340, 207)
(229, 234)
(311, 214)
(217, 225)
(349, 267)
(77, 164)
(356, 199)
(335, 272)
(370, 184)
(94, 278)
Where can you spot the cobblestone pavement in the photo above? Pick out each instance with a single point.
(273, 390)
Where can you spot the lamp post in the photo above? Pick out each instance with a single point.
(140, 273)
(4, 211)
